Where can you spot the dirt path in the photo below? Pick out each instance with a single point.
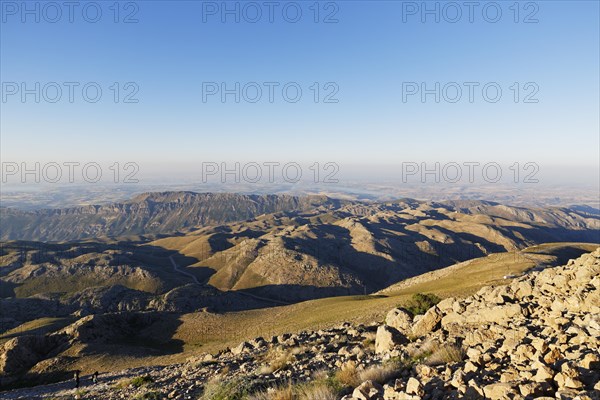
(279, 302)
(181, 271)
(178, 269)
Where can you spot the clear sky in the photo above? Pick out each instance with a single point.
(371, 57)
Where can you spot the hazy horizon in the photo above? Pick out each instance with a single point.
(388, 80)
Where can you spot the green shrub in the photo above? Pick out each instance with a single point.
(216, 389)
(421, 302)
(140, 381)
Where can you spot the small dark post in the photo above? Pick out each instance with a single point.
(76, 376)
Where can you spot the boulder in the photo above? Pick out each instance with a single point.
(414, 387)
(243, 347)
(591, 361)
(400, 320)
(387, 338)
(568, 377)
(368, 390)
(498, 314)
(499, 391)
(453, 318)
(543, 374)
(428, 322)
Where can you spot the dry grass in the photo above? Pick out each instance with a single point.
(121, 383)
(217, 389)
(446, 354)
(137, 382)
(278, 358)
(275, 393)
(347, 375)
(369, 343)
(380, 374)
(225, 370)
(317, 391)
(350, 376)
(320, 375)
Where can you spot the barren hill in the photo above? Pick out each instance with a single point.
(148, 213)
(244, 274)
(535, 337)
(355, 248)
(361, 248)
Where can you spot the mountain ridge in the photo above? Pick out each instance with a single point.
(147, 213)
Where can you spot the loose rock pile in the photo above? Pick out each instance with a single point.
(538, 337)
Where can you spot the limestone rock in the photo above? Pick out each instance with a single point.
(399, 319)
(387, 338)
(368, 390)
(428, 322)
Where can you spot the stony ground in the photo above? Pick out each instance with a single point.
(538, 337)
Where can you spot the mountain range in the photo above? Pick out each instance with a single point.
(147, 213)
(239, 259)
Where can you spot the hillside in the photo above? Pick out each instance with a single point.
(273, 259)
(165, 297)
(163, 338)
(361, 248)
(357, 248)
(534, 337)
(149, 213)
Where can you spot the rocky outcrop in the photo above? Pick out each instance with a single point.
(18, 355)
(538, 337)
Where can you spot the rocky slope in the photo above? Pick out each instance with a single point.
(537, 337)
(363, 247)
(331, 250)
(147, 214)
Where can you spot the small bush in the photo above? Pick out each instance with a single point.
(421, 302)
(216, 389)
(347, 376)
(140, 381)
(148, 396)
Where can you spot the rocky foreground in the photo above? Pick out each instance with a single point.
(538, 337)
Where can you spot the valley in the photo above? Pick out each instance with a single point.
(109, 303)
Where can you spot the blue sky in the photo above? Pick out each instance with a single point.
(368, 55)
